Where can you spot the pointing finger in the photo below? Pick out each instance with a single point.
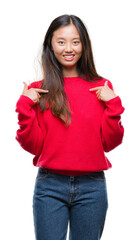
(41, 90)
(95, 89)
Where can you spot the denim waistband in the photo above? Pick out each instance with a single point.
(43, 170)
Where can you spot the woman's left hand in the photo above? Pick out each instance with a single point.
(104, 93)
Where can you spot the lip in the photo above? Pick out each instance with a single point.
(68, 57)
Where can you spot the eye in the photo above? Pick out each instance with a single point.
(61, 43)
(76, 42)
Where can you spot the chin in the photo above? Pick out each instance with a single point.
(68, 64)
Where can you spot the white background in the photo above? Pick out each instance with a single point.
(114, 31)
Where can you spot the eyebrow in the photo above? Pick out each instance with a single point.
(64, 38)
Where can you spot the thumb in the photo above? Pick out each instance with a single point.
(25, 86)
(106, 83)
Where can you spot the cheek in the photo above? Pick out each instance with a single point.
(79, 51)
(58, 53)
(57, 49)
(79, 54)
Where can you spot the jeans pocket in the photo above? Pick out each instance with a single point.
(97, 176)
(42, 174)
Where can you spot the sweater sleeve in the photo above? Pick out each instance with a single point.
(29, 134)
(112, 130)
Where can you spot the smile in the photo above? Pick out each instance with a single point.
(68, 57)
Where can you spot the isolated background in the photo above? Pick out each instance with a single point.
(114, 31)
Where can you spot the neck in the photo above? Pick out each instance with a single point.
(70, 72)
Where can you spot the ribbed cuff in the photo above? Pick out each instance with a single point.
(24, 103)
(115, 106)
(26, 100)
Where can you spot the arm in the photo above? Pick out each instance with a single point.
(112, 130)
(29, 134)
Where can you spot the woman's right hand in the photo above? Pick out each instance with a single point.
(33, 93)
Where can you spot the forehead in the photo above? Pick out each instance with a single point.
(69, 31)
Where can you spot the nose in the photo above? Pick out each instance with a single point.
(68, 47)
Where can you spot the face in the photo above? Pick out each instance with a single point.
(67, 46)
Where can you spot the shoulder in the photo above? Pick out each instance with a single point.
(102, 81)
(35, 84)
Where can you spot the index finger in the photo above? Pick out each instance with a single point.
(41, 90)
(95, 89)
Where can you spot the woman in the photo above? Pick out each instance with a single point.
(68, 120)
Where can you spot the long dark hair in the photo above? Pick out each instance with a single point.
(57, 99)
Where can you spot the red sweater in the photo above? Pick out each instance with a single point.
(79, 148)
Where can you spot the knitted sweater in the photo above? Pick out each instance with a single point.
(79, 148)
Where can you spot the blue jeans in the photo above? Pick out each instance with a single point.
(79, 200)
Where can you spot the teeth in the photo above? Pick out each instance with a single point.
(69, 56)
